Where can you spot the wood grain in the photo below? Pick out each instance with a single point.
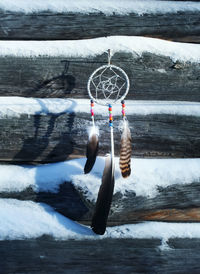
(176, 203)
(180, 26)
(50, 138)
(152, 77)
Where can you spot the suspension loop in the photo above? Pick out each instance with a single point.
(109, 57)
(92, 110)
(110, 115)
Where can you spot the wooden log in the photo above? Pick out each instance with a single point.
(67, 201)
(176, 203)
(173, 203)
(118, 255)
(57, 137)
(152, 77)
(47, 25)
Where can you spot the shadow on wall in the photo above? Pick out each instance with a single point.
(52, 184)
(49, 143)
(68, 200)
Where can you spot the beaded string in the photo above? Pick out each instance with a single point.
(92, 111)
(110, 115)
(111, 136)
(123, 109)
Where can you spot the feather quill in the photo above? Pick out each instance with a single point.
(104, 199)
(92, 150)
(125, 151)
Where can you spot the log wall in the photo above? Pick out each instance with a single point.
(181, 26)
(57, 137)
(176, 203)
(152, 77)
(50, 138)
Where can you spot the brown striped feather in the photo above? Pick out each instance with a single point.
(125, 151)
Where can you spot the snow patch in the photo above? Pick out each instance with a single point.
(26, 219)
(164, 246)
(15, 106)
(159, 230)
(95, 6)
(136, 45)
(147, 175)
(161, 70)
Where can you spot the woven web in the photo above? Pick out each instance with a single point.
(108, 84)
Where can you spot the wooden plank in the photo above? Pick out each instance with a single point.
(152, 77)
(61, 26)
(50, 138)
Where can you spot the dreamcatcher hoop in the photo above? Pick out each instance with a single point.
(108, 84)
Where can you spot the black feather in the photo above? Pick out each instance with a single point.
(91, 152)
(104, 199)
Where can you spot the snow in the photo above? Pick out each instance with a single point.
(95, 6)
(26, 219)
(160, 230)
(15, 106)
(158, 173)
(91, 47)
(48, 177)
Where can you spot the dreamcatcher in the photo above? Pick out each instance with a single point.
(106, 86)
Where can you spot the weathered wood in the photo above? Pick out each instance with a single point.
(49, 138)
(45, 255)
(67, 201)
(179, 203)
(152, 77)
(72, 26)
(170, 215)
(172, 203)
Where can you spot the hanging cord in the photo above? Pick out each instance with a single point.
(92, 111)
(109, 57)
(111, 136)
